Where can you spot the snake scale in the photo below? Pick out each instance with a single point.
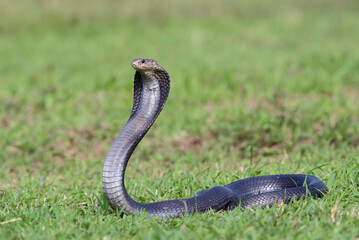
(151, 89)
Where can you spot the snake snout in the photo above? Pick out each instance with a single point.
(136, 63)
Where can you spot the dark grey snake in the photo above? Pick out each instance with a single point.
(151, 88)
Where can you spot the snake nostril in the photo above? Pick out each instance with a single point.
(143, 61)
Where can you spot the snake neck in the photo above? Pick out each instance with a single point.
(151, 89)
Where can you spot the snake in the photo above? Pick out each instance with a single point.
(151, 89)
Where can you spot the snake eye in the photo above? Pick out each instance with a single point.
(143, 61)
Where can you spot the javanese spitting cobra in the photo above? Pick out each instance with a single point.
(151, 88)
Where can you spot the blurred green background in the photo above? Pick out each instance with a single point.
(258, 87)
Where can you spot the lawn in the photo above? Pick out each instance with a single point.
(258, 88)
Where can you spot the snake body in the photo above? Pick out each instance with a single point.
(151, 89)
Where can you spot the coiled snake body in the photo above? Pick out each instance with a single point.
(151, 88)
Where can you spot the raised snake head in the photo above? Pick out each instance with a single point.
(145, 65)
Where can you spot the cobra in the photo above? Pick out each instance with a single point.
(151, 89)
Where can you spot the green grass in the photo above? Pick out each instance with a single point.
(257, 88)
